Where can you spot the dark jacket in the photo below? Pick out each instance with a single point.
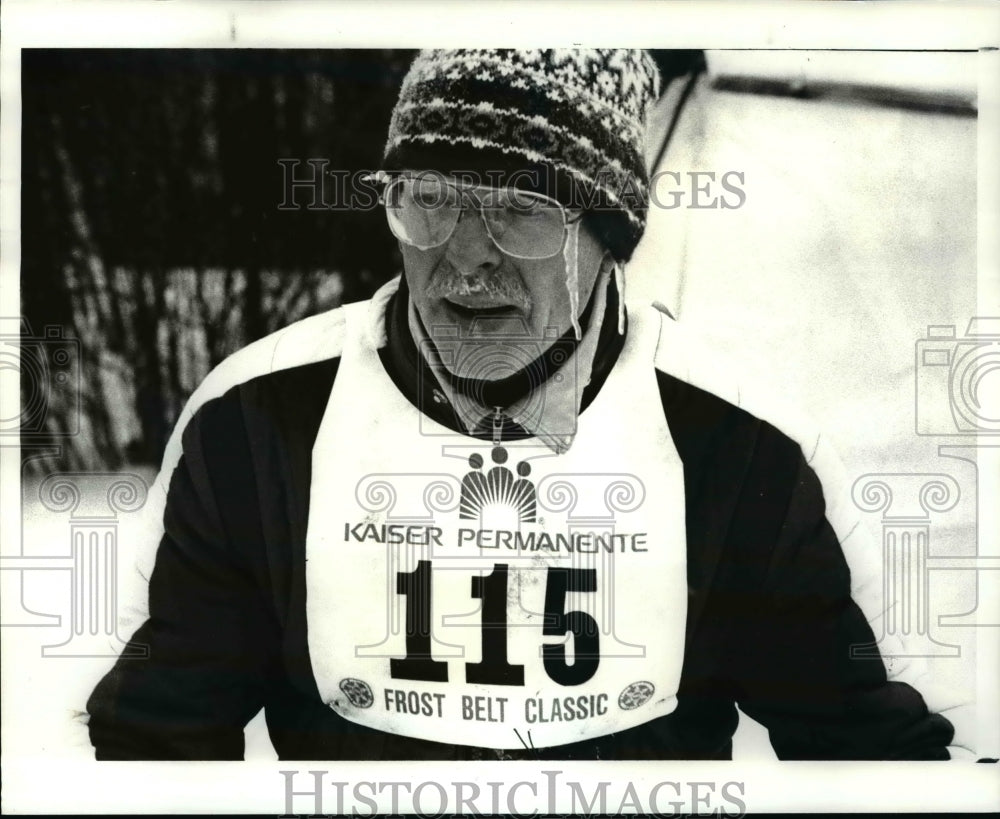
(770, 614)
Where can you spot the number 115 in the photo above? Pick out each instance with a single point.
(495, 668)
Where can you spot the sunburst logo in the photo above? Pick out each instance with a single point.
(496, 498)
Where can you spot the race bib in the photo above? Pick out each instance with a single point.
(496, 595)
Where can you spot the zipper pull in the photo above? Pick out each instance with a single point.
(497, 425)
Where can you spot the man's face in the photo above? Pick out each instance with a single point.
(468, 290)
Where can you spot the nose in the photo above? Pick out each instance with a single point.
(470, 249)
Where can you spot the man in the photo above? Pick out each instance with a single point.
(492, 513)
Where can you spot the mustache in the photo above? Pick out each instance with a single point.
(446, 281)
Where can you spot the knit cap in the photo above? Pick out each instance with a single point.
(569, 123)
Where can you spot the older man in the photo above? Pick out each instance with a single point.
(491, 513)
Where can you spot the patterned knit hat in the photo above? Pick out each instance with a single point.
(566, 122)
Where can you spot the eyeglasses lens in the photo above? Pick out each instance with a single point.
(524, 224)
(423, 212)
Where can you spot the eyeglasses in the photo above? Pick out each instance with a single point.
(423, 210)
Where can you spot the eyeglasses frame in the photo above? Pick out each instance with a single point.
(464, 190)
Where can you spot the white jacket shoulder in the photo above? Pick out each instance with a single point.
(312, 339)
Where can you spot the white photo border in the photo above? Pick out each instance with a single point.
(31, 785)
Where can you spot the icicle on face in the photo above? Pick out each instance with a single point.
(620, 285)
(570, 255)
